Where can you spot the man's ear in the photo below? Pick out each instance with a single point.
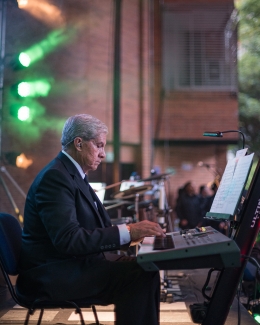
(78, 142)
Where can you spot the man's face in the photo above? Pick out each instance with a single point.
(93, 152)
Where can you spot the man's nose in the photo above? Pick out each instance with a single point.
(102, 153)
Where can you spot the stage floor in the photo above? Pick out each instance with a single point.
(185, 290)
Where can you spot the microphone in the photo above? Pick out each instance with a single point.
(210, 167)
(219, 134)
(202, 164)
(216, 134)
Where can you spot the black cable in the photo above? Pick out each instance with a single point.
(238, 302)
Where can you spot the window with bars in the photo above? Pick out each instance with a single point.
(199, 47)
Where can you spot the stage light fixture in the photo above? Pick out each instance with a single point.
(22, 3)
(23, 89)
(23, 162)
(257, 318)
(36, 88)
(23, 113)
(37, 51)
(17, 159)
(24, 59)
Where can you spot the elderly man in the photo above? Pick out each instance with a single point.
(67, 235)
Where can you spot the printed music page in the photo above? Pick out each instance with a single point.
(231, 185)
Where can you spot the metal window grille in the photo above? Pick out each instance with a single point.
(199, 47)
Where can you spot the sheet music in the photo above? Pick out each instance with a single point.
(232, 185)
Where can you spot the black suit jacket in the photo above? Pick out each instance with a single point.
(62, 228)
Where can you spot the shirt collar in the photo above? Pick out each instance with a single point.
(82, 174)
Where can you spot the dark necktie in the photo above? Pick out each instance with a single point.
(86, 180)
(94, 198)
(90, 190)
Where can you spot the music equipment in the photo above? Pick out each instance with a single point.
(155, 177)
(198, 248)
(144, 204)
(131, 192)
(118, 203)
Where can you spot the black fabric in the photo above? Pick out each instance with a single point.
(10, 243)
(90, 190)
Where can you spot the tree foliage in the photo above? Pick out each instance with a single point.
(249, 72)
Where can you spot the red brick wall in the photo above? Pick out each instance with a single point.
(187, 116)
(83, 83)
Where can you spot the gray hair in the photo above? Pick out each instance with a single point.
(82, 125)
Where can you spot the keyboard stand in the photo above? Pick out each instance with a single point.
(214, 310)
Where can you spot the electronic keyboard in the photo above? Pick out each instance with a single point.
(195, 249)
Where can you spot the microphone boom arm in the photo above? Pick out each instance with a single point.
(219, 134)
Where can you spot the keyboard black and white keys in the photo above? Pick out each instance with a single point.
(198, 248)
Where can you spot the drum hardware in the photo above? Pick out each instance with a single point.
(144, 204)
(122, 220)
(136, 215)
(110, 186)
(112, 201)
(131, 192)
(117, 203)
(163, 217)
(148, 205)
(155, 177)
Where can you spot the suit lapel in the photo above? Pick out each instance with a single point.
(86, 192)
(99, 206)
(81, 185)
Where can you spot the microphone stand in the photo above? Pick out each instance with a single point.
(219, 134)
(164, 210)
(3, 169)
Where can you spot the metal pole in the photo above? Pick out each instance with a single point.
(3, 170)
(116, 133)
(2, 59)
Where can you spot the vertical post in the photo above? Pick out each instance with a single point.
(2, 61)
(116, 94)
(141, 83)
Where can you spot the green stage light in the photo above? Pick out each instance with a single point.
(24, 89)
(257, 318)
(37, 88)
(37, 51)
(23, 113)
(41, 88)
(26, 109)
(24, 59)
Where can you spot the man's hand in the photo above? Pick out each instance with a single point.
(143, 229)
